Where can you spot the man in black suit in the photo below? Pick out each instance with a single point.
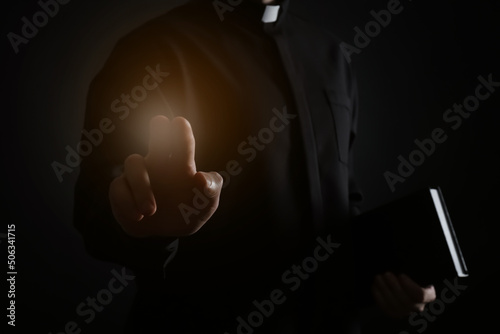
(261, 245)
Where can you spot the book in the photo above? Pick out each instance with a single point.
(413, 235)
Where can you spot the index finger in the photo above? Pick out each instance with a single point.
(159, 149)
(183, 145)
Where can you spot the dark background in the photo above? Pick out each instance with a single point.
(428, 58)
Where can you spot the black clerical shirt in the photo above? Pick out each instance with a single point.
(273, 109)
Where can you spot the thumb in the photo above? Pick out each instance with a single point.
(209, 183)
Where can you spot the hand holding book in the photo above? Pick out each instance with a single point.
(398, 296)
(403, 249)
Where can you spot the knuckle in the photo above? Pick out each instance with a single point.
(219, 180)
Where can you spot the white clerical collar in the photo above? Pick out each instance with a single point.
(271, 14)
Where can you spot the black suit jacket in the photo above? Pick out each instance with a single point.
(258, 231)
